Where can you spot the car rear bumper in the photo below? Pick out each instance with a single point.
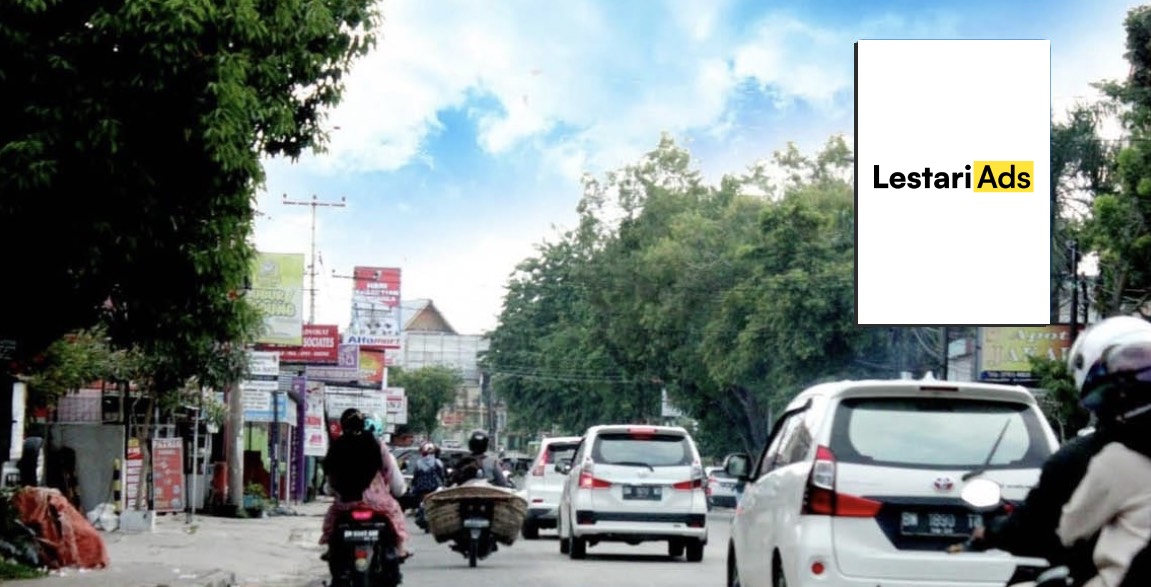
(537, 513)
(626, 526)
(723, 501)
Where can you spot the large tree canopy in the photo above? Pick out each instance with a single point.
(131, 154)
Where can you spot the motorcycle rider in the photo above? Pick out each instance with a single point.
(1030, 529)
(1114, 498)
(428, 476)
(361, 470)
(478, 465)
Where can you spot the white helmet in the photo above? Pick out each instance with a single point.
(1088, 350)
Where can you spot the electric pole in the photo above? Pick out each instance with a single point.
(315, 202)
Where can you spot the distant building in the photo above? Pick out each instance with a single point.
(429, 339)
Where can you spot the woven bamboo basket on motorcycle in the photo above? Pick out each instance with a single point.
(442, 511)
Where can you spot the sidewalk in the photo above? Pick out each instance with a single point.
(275, 551)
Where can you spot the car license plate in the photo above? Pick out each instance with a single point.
(951, 525)
(727, 485)
(642, 492)
(476, 523)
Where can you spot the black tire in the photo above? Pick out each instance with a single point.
(695, 551)
(530, 530)
(778, 579)
(565, 543)
(732, 569)
(473, 552)
(32, 462)
(675, 548)
(579, 548)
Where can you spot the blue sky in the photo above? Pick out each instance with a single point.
(461, 139)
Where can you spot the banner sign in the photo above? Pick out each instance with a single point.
(315, 432)
(168, 474)
(397, 409)
(339, 398)
(262, 384)
(133, 474)
(349, 356)
(375, 308)
(278, 293)
(1005, 350)
(321, 344)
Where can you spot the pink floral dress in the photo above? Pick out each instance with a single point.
(377, 496)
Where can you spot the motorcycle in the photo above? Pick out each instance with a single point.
(986, 498)
(475, 541)
(363, 551)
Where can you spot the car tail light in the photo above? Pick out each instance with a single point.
(589, 481)
(696, 481)
(362, 515)
(541, 464)
(821, 498)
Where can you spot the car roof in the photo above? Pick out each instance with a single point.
(625, 428)
(917, 388)
(560, 440)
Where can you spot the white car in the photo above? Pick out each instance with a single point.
(635, 484)
(721, 488)
(859, 485)
(544, 483)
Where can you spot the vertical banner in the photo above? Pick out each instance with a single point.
(261, 387)
(315, 432)
(299, 390)
(133, 474)
(375, 308)
(278, 293)
(168, 474)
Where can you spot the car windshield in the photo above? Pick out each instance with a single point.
(937, 433)
(657, 450)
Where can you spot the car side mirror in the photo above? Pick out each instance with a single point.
(564, 466)
(738, 466)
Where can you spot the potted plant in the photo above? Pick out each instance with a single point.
(255, 500)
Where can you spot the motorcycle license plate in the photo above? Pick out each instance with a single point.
(945, 524)
(361, 535)
(642, 492)
(476, 523)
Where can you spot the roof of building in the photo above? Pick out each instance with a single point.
(422, 315)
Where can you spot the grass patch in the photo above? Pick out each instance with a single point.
(12, 571)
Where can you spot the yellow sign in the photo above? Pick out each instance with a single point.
(278, 293)
(1005, 351)
(1004, 176)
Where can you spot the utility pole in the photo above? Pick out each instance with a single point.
(945, 334)
(1074, 290)
(315, 202)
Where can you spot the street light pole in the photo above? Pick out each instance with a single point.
(315, 202)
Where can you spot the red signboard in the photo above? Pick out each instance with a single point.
(168, 475)
(375, 308)
(321, 345)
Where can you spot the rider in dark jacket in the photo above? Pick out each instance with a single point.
(479, 465)
(1030, 529)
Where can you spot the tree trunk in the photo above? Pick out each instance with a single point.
(233, 436)
(143, 434)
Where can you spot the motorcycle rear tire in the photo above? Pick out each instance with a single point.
(473, 552)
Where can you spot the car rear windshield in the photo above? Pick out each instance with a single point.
(937, 433)
(557, 452)
(656, 450)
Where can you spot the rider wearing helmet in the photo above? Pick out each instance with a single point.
(1030, 529)
(479, 465)
(1114, 499)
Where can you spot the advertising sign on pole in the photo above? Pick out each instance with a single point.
(261, 386)
(1005, 351)
(320, 346)
(278, 293)
(315, 432)
(168, 474)
(375, 308)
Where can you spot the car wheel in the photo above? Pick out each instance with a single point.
(777, 577)
(579, 548)
(530, 531)
(695, 551)
(565, 542)
(675, 548)
(732, 569)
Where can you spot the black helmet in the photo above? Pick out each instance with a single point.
(478, 442)
(351, 421)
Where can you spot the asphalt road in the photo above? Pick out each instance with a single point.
(539, 562)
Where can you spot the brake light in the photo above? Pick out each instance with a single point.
(688, 485)
(587, 481)
(821, 498)
(641, 431)
(362, 515)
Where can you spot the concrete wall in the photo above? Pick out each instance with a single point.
(96, 446)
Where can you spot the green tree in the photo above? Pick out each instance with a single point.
(1061, 402)
(132, 153)
(429, 389)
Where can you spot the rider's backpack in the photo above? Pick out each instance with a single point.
(426, 477)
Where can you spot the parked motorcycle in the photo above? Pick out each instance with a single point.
(985, 497)
(363, 551)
